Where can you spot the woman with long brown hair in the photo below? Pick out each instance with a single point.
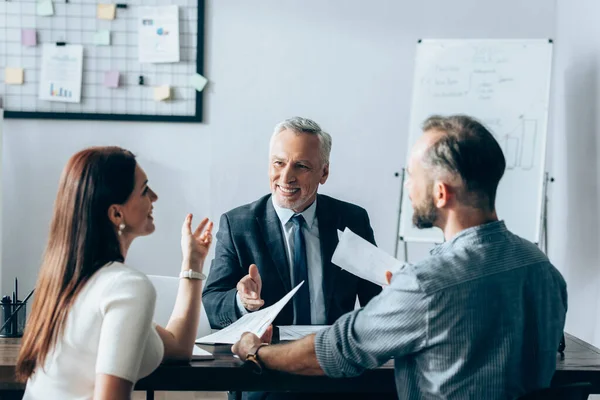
(90, 333)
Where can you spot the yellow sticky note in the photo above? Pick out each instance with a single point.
(106, 11)
(13, 76)
(162, 93)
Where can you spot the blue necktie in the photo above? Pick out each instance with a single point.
(302, 296)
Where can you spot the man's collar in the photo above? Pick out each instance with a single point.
(285, 214)
(470, 235)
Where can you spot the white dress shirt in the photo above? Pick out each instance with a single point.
(310, 229)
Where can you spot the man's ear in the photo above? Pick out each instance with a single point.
(441, 194)
(115, 214)
(325, 174)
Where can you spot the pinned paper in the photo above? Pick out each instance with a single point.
(106, 11)
(61, 74)
(102, 38)
(28, 37)
(111, 79)
(45, 8)
(158, 34)
(13, 76)
(198, 82)
(162, 93)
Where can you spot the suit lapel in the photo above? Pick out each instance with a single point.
(329, 240)
(270, 227)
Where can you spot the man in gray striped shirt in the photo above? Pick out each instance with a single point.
(481, 318)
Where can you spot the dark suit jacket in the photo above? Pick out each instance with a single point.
(252, 234)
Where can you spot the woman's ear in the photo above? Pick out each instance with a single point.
(115, 215)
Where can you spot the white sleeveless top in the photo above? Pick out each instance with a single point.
(109, 330)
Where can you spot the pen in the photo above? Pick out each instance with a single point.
(14, 304)
(16, 330)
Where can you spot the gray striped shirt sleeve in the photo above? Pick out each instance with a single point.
(368, 337)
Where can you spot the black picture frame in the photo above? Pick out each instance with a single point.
(132, 117)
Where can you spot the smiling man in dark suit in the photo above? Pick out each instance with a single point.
(266, 248)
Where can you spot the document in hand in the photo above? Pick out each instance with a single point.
(256, 322)
(361, 258)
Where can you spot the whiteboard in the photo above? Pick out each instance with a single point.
(506, 85)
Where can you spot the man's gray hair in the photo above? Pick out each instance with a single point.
(305, 125)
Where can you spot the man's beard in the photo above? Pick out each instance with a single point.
(425, 216)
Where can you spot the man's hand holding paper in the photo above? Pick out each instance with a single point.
(257, 323)
(361, 258)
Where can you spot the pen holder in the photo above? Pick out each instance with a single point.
(16, 325)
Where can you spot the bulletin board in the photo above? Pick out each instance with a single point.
(76, 22)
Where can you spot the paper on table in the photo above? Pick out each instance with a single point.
(256, 322)
(45, 8)
(106, 11)
(201, 354)
(361, 258)
(102, 38)
(28, 37)
(13, 76)
(295, 332)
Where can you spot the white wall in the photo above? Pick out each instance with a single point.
(346, 63)
(574, 217)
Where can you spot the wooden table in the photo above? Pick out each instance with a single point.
(581, 363)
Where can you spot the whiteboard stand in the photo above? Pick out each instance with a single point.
(544, 222)
(400, 238)
(543, 241)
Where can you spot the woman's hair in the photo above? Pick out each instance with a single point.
(82, 239)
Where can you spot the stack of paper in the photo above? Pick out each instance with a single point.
(359, 257)
(201, 354)
(256, 322)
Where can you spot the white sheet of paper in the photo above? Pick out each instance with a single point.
(62, 68)
(256, 322)
(201, 354)
(361, 258)
(158, 34)
(295, 332)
